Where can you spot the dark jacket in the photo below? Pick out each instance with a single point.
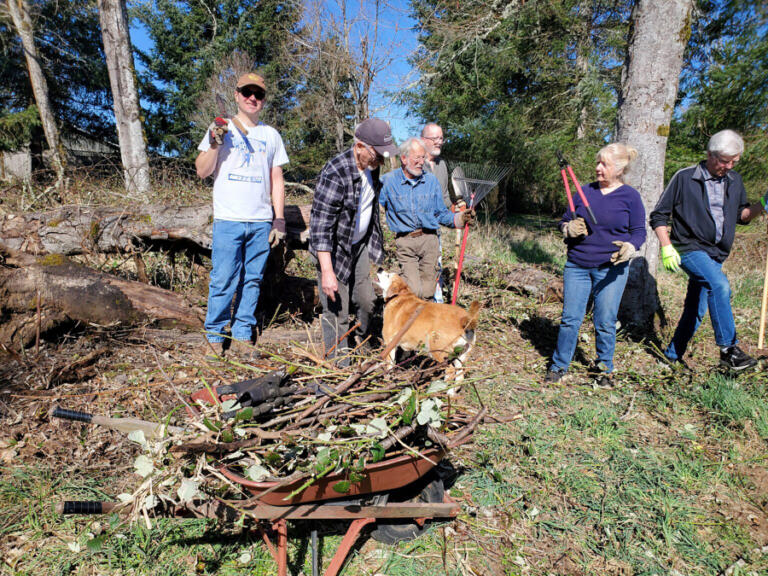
(334, 210)
(685, 204)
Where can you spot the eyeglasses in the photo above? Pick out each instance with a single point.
(379, 157)
(434, 138)
(247, 92)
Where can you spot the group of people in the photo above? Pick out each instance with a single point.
(246, 157)
(694, 220)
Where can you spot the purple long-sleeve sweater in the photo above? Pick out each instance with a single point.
(620, 216)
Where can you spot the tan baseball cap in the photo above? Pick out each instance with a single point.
(251, 79)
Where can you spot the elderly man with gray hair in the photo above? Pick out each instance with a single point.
(414, 208)
(695, 222)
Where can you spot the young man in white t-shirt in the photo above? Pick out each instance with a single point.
(245, 157)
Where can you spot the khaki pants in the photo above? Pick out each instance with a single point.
(418, 263)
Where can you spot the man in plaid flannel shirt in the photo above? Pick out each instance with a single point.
(345, 232)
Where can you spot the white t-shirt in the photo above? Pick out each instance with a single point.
(242, 183)
(365, 208)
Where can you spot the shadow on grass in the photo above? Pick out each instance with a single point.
(532, 252)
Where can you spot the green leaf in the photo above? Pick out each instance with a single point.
(342, 487)
(244, 414)
(272, 458)
(409, 410)
(213, 427)
(377, 452)
(95, 544)
(359, 466)
(227, 435)
(355, 477)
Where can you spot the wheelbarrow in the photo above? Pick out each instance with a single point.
(397, 496)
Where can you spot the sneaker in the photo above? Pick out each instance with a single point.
(554, 375)
(735, 359)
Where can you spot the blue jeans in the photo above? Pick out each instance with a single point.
(606, 284)
(709, 288)
(239, 256)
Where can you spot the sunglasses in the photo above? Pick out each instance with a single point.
(247, 92)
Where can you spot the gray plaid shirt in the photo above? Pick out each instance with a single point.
(334, 210)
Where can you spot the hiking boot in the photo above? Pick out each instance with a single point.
(735, 359)
(554, 375)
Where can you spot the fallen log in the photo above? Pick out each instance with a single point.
(73, 230)
(70, 294)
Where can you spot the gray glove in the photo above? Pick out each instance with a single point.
(277, 234)
(575, 228)
(624, 253)
(464, 218)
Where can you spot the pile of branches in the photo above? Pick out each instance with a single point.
(295, 425)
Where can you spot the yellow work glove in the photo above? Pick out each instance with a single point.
(670, 258)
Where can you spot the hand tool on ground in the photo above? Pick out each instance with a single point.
(126, 425)
(479, 180)
(564, 165)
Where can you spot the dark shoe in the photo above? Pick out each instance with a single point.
(735, 359)
(604, 380)
(554, 375)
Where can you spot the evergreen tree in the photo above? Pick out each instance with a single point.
(511, 82)
(189, 39)
(68, 40)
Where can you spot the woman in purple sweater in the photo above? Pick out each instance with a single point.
(598, 259)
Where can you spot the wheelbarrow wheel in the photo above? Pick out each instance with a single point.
(394, 531)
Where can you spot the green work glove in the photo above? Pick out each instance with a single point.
(670, 258)
(764, 201)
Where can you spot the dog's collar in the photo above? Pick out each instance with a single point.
(387, 300)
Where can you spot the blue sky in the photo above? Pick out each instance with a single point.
(397, 36)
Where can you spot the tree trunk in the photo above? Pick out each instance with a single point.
(20, 15)
(73, 230)
(71, 294)
(658, 36)
(122, 78)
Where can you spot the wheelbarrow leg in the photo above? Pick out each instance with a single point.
(314, 553)
(281, 527)
(346, 545)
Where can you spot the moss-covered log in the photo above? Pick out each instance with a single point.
(48, 293)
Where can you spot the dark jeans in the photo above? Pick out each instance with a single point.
(357, 295)
(708, 287)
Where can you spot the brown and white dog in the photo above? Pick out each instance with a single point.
(443, 330)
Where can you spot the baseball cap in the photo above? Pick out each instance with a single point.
(251, 79)
(376, 133)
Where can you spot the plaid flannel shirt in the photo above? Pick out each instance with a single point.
(334, 208)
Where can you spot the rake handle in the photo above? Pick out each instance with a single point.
(460, 266)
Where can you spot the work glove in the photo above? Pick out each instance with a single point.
(576, 228)
(625, 252)
(461, 205)
(670, 258)
(217, 130)
(465, 218)
(277, 234)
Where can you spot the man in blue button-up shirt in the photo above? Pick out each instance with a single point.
(413, 203)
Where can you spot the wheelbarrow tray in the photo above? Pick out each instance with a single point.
(383, 476)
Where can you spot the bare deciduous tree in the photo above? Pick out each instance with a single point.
(122, 77)
(19, 10)
(658, 37)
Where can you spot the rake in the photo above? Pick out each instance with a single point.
(473, 181)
